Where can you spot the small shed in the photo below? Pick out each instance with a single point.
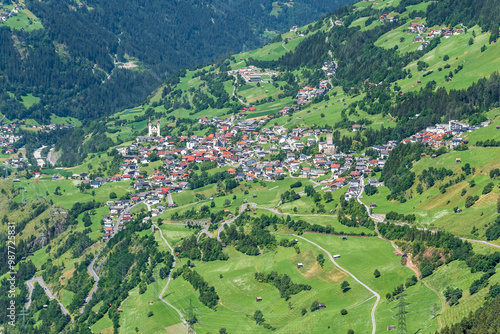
(344, 237)
(119, 310)
(191, 265)
(336, 256)
(390, 328)
(299, 265)
(321, 305)
(373, 205)
(254, 195)
(458, 160)
(223, 245)
(259, 299)
(150, 302)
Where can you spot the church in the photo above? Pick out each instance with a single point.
(154, 131)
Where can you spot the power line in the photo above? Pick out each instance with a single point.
(402, 315)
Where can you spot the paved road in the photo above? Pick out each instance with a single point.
(234, 91)
(204, 231)
(49, 294)
(254, 205)
(228, 222)
(380, 220)
(374, 325)
(169, 199)
(168, 282)
(92, 264)
(96, 280)
(482, 242)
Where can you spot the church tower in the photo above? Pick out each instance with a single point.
(154, 131)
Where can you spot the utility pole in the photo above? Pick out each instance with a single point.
(402, 315)
(191, 318)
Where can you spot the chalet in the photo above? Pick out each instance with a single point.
(113, 210)
(355, 174)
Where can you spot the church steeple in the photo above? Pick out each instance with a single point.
(154, 130)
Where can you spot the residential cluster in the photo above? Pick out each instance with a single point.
(423, 37)
(8, 136)
(306, 94)
(445, 134)
(330, 67)
(6, 13)
(52, 127)
(253, 74)
(118, 212)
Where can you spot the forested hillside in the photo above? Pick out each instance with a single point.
(370, 136)
(74, 64)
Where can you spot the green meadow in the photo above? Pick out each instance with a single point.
(361, 256)
(434, 209)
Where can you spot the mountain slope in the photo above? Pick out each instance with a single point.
(91, 59)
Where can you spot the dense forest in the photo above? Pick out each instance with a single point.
(70, 64)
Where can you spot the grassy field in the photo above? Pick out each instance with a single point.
(70, 193)
(64, 120)
(29, 100)
(476, 64)
(24, 20)
(434, 209)
(361, 256)
(238, 289)
(233, 280)
(488, 132)
(458, 275)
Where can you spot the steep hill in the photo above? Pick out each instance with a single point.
(86, 59)
(240, 216)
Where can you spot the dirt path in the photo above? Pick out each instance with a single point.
(375, 294)
(443, 303)
(168, 282)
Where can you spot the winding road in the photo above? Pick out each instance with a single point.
(374, 325)
(92, 264)
(49, 294)
(380, 220)
(254, 205)
(168, 282)
(234, 91)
